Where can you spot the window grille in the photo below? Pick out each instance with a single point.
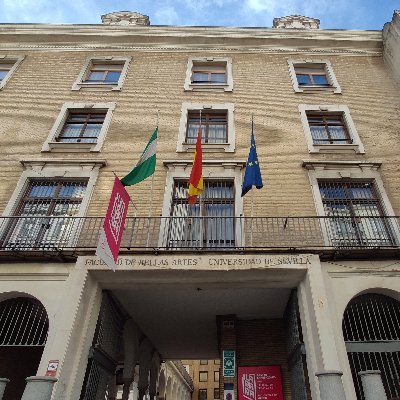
(371, 330)
(54, 201)
(23, 322)
(210, 222)
(328, 128)
(357, 215)
(214, 127)
(82, 127)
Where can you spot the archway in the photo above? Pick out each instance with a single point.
(371, 330)
(24, 326)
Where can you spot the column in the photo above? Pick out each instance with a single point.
(3, 383)
(372, 385)
(38, 388)
(330, 385)
(145, 353)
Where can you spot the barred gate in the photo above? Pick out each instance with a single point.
(371, 329)
(296, 350)
(103, 355)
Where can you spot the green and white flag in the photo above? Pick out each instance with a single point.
(146, 164)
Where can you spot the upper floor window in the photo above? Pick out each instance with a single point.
(7, 67)
(203, 376)
(217, 127)
(103, 73)
(214, 127)
(329, 128)
(202, 394)
(80, 127)
(313, 75)
(205, 73)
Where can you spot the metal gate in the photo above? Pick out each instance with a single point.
(296, 350)
(371, 329)
(103, 355)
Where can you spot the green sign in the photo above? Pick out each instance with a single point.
(229, 363)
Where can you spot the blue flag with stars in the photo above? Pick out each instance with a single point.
(252, 175)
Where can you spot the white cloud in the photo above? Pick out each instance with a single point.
(167, 16)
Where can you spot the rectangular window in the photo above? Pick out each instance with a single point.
(8, 66)
(355, 214)
(214, 127)
(217, 362)
(203, 362)
(5, 69)
(216, 393)
(216, 376)
(202, 394)
(45, 210)
(209, 73)
(311, 75)
(203, 376)
(328, 128)
(104, 72)
(82, 126)
(209, 223)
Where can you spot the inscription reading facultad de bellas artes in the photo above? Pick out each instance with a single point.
(241, 261)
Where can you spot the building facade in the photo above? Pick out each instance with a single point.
(296, 283)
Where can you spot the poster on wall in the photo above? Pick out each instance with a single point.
(260, 383)
(228, 359)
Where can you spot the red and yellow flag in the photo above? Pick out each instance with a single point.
(196, 176)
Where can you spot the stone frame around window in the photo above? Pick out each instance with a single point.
(47, 169)
(334, 84)
(80, 84)
(212, 169)
(229, 147)
(9, 59)
(51, 145)
(227, 87)
(337, 170)
(355, 147)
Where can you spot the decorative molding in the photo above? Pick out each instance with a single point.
(179, 164)
(296, 22)
(125, 18)
(64, 162)
(334, 165)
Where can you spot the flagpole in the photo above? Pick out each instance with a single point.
(252, 194)
(200, 197)
(151, 191)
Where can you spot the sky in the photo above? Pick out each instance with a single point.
(334, 14)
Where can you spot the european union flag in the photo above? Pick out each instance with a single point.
(252, 175)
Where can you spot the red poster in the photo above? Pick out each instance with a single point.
(260, 383)
(113, 228)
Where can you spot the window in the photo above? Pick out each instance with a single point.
(211, 222)
(8, 65)
(203, 362)
(216, 393)
(80, 127)
(103, 73)
(217, 362)
(45, 208)
(202, 394)
(329, 128)
(313, 75)
(203, 376)
(217, 127)
(213, 127)
(207, 73)
(216, 376)
(351, 198)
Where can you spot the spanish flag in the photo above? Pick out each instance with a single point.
(196, 176)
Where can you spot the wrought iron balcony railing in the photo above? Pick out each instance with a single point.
(76, 234)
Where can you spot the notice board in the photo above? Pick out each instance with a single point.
(260, 383)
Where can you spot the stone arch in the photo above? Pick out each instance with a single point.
(371, 332)
(24, 327)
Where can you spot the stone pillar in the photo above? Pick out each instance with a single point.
(38, 388)
(372, 385)
(145, 355)
(330, 385)
(3, 383)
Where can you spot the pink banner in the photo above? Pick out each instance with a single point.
(260, 383)
(113, 227)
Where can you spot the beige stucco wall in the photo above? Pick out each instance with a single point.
(391, 48)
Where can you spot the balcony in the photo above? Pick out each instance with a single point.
(65, 238)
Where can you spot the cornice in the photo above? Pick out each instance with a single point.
(76, 37)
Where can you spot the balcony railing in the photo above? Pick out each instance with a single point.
(80, 235)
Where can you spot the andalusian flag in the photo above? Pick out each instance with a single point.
(196, 176)
(146, 164)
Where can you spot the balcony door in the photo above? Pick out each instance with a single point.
(43, 216)
(210, 223)
(355, 215)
